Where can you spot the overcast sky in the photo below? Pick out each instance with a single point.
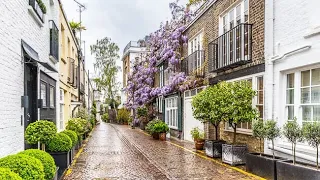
(120, 20)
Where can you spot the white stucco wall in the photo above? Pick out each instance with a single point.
(295, 26)
(16, 24)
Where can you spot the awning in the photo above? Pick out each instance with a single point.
(35, 57)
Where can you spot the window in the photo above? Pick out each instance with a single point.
(260, 96)
(52, 96)
(290, 97)
(43, 93)
(61, 116)
(166, 76)
(159, 104)
(172, 112)
(161, 76)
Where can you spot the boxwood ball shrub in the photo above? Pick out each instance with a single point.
(76, 125)
(72, 135)
(40, 131)
(60, 143)
(27, 167)
(46, 159)
(7, 174)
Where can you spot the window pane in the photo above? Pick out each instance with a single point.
(305, 95)
(246, 5)
(43, 90)
(316, 113)
(290, 96)
(305, 78)
(260, 97)
(315, 77)
(290, 81)
(260, 108)
(51, 96)
(306, 113)
(260, 83)
(315, 95)
(290, 112)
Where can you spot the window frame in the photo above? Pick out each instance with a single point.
(44, 101)
(171, 112)
(51, 87)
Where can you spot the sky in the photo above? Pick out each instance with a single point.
(120, 20)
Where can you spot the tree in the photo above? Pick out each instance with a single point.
(106, 53)
(271, 131)
(311, 133)
(204, 107)
(258, 130)
(292, 131)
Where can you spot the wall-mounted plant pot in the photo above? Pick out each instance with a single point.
(162, 136)
(287, 171)
(213, 148)
(55, 177)
(262, 165)
(234, 154)
(62, 161)
(155, 135)
(199, 144)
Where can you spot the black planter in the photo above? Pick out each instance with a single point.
(263, 166)
(56, 174)
(287, 171)
(234, 154)
(72, 153)
(213, 148)
(62, 161)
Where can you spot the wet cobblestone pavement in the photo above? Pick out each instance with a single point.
(119, 152)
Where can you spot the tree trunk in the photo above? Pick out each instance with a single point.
(216, 127)
(260, 146)
(272, 148)
(234, 133)
(294, 153)
(317, 156)
(43, 147)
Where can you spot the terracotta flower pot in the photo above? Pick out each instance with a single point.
(162, 136)
(199, 143)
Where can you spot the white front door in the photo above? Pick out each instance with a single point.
(189, 121)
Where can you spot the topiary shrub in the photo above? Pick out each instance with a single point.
(77, 125)
(105, 117)
(123, 116)
(40, 131)
(72, 135)
(60, 143)
(46, 159)
(7, 174)
(27, 167)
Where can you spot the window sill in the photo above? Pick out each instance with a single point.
(53, 59)
(312, 32)
(174, 128)
(249, 133)
(35, 16)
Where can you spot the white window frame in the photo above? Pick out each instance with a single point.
(160, 104)
(161, 76)
(254, 80)
(61, 109)
(43, 93)
(171, 112)
(166, 76)
(195, 43)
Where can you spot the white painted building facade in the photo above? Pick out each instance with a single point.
(292, 49)
(25, 42)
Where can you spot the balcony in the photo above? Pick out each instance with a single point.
(193, 65)
(37, 9)
(232, 49)
(134, 44)
(54, 41)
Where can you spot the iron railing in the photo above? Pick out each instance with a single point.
(233, 48)
(134, 44)
(54, 40)
(36, 7)
(193, 65)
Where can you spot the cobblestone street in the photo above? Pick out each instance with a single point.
(118, 152)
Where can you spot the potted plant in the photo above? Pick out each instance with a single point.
(74, 139)
(77, 125)
(123, 116)
(150, 128)
(59, 148)
(161, 128)
(6, 173)
(262, 164)
(27, 167)
(49, 167)
(291, 169)
(235, 103)
(40, 131)
(142, 114)
(204, 107)
(198, 137)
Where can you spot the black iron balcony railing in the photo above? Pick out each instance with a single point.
(193, 65)
(134, 44)
(36, 7)
(54, 40)
(233, 48)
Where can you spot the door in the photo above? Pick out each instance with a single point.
(30, 90)
(189, 121)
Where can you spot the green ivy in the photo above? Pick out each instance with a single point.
(72, 135)
(42, 6)
(27, 167)
(40, 131)
(46, 159)
(7, 174)
(60, 143)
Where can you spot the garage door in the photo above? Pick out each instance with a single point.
(189, 121)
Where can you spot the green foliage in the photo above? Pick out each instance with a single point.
(76, 26)
(92, 120)
(293, 132)
(271, 130)
(27, 167)
(77, 125)
(114, 104)
(311, 133)
(160, 127)
(101, 109)
(42, 6)
(150, 126)
(123, 115)
(88, 127)
(105, 117)
(60, 143)
(7, 174)
(197, 134)
(82, 114)
(46, 159)
(72, 135)
(142, 112)
(40, 131)
(195, 2)
(94, 109)
(258, 129)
